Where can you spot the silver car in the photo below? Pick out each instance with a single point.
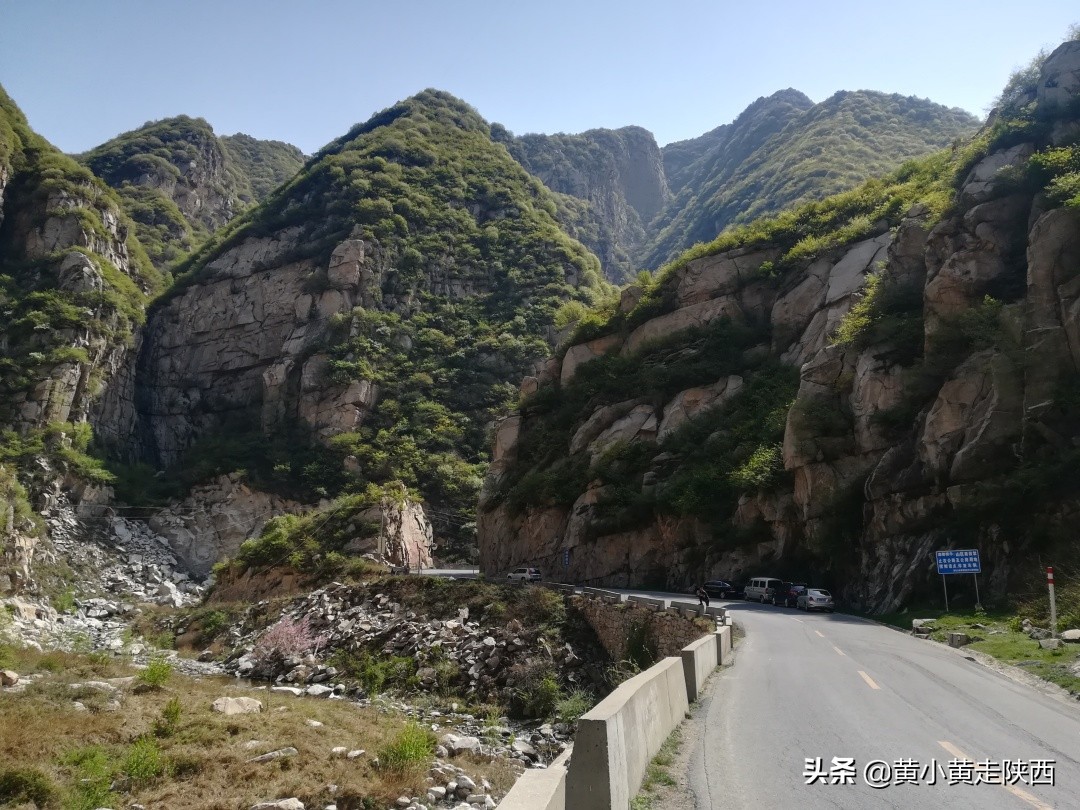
(815, 599)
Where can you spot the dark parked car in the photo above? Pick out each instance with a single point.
(787, 595)
(722, 589)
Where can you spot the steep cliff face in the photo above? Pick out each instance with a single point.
(835, 393)
(362, 326)
(619, 173)
(179, 182)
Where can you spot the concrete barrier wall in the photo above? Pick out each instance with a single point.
(558, 586)
(647, 600)
(618, 738)
(543, 789)
(723, 645)
(600, 593)
(693, 607)
(699, 660)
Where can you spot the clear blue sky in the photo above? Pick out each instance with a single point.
(303, 72)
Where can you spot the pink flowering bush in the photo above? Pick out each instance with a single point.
(285, 639)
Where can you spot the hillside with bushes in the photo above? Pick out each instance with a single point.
(784, 150)
(401, 282)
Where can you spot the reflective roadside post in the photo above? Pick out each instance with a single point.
(1053, 601)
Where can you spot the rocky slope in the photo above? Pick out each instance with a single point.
(835, 393)
(180, 182)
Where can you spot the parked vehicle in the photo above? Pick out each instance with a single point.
(524, 575)
(815, 599)
(761, 589)
(787, 594)
(721, 589)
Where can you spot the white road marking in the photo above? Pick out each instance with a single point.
(869, 680)
(820, 633)
(838, 650)
(1023, 795)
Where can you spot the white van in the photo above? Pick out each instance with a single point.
(761, 589)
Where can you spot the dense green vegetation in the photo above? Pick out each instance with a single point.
(774, 159)
(142, 165)
(265, 164)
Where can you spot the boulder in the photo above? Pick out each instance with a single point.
(699, 314)
(958, 639)
(1059, 82)
(280, 804)
(1051, 643)
(241, 705)
(8, 678)
(1071, 636)
(584, 352)
(455, 744)
(280, 753)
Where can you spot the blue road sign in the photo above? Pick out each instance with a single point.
(959, 561)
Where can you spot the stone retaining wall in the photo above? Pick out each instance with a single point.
(664, 632)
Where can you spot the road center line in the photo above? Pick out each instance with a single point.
(1023, 795)
(820, 633)
(800, 621)
(869, 680)
(839, 651)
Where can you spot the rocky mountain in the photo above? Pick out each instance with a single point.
(618, 173)
(362, 327)
(833, 393)
(639, 206)
(180, 182)
(73, 285)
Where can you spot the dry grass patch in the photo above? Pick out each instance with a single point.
(165, 748)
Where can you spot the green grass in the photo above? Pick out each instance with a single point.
(411, 749)
(157, 673)
(1000, 638)
(658, 773)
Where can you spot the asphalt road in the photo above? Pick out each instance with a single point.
(828, 685)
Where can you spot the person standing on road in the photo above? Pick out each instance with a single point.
(703, 596)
